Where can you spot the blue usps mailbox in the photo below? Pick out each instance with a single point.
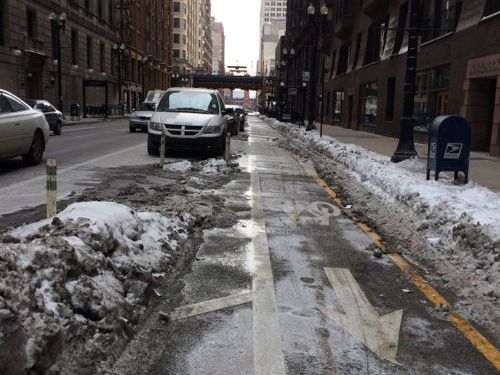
(449, 146)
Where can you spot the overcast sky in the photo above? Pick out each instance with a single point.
(241, 26)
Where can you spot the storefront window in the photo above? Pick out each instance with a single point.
(369, 98)
(338, 104)
(431, 98)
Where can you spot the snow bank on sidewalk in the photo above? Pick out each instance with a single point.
(79, 278)
(406, 182)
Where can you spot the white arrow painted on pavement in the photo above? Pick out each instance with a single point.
(380, 334)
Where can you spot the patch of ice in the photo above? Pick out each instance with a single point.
(181, 166)
(214, 167)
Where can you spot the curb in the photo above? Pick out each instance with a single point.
(93, 121)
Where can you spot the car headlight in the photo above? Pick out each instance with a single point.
(156, 126)
(213, 129)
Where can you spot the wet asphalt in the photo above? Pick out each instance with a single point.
(288, 237)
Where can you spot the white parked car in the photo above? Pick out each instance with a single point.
(193, 119)
(24, 131)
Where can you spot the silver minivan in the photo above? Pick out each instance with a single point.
(193, 119)
(24, 131)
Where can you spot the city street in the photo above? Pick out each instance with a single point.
(80, 152)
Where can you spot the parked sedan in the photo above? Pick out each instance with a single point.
(242, 117)
(24, 131)
(52, 115)
(139, 119)
(233, 119)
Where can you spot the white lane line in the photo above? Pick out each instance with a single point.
(267, 346)
(80, 129)
(36, 180)
(211, 305)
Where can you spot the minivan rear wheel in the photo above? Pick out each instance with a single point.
(35, 154)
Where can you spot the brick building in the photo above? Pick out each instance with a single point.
(146, 31)
(192, 50)
(364, 60)
(219, 48)
(104, 45)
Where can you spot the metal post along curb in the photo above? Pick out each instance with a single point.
(162, 148)
(51, 188)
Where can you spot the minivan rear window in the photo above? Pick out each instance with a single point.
(189, 101)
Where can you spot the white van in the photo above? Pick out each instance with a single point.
(193, 119)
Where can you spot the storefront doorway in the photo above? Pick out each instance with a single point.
(481, 108)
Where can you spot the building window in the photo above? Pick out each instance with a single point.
(440, 17)
(356, 52)
(89, 52)
(400, 33)
(431, 98)
(177, 38)
(3, 11)
(88, 6)
(177, 23)
(102, 57)
(369, 98)
(114, 60)
(492, 7)
(111, 11)
(54, 30)
(377, 34)
(328, 103)
(345, 50)
(338, 105)
(390, 97)
(177, 6)
(177, 53)
(31, 23)
(74, 47)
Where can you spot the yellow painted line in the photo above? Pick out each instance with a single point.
(481, 343)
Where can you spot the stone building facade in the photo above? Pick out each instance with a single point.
(272, 27)
(192, 49)
(98, 56)
(219, 48)
(363, 61)
(146, 31)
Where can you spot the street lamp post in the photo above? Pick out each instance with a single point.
(144, 65)
(58, 24)
(304, 106)
(120, 49)
(316, 19)
(406, 146)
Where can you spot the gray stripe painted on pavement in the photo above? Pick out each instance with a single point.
(267, 345)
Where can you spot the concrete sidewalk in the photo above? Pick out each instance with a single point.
(91, 120)
(483, 169)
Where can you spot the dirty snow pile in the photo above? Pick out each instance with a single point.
(71, 286)
(181, 166)
(406, 183)
(459, 224)
(214, 167)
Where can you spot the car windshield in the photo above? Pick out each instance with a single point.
(189, 101)
(146, 107)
